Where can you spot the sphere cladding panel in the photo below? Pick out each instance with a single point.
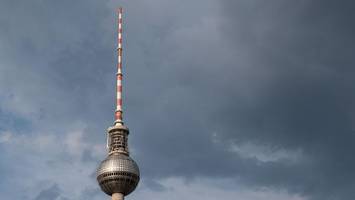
(118, 173)
(118, 162)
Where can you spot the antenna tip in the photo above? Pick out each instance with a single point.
(120, 9)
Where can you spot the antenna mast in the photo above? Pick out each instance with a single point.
(119, 75)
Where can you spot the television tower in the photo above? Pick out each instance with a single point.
(118, 174)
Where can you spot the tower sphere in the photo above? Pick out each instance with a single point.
(118, 173)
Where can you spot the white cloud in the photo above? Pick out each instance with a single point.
(261, 152)
(48, 158)
(265, 153)
(211, 189)
(5, 136)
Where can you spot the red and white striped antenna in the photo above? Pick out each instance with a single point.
(119, 75)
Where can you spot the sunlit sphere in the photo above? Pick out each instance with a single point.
(118, 173)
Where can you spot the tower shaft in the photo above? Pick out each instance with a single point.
(117, 196)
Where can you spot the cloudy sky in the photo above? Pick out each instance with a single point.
(229, 99)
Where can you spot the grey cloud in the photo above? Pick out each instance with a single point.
(280, 77)
(305, 47)
(154, 185)
(50, 193)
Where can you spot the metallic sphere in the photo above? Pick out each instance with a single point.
(118, 173)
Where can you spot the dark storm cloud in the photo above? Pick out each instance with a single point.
(281, 76)
(44, 46)
(200, 78)
(45, 86)
(307, 48)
